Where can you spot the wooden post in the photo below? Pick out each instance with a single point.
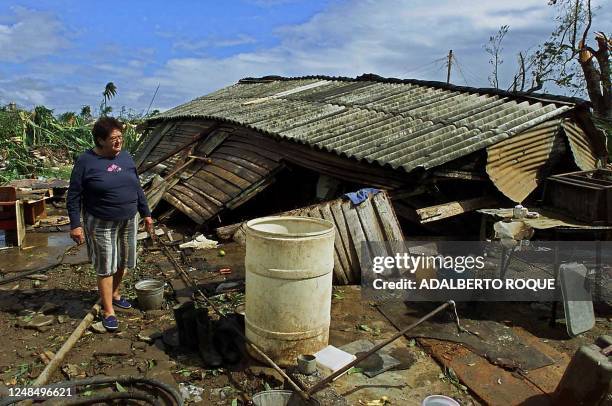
(450, 62)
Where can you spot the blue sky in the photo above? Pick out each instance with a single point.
(61, 53)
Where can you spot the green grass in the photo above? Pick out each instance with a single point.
(61, 172)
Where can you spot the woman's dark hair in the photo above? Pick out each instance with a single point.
(103, 128)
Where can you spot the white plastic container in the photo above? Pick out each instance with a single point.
(439, 400)
(289, 265)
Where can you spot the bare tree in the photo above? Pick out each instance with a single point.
(494, 49)
(567, 60)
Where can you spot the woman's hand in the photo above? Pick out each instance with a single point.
(148, 223)
(77, 235)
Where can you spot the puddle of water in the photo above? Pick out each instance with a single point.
(37, 250)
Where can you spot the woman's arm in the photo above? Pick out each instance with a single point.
(74, 199)
(143, 205)
(74, 196)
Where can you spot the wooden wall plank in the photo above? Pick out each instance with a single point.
(228, 188)
(238, 160)
(214, 202)
(238, 170)
(192, 200)
(341, 265)
(350, 253)
(386, 217)
(253, 157)
(356, 236)
(183, 207)
(209, 189)
(226, 175)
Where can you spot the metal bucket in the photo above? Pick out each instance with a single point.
(281, 398)
(150, 293)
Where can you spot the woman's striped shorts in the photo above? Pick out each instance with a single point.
(111, 244)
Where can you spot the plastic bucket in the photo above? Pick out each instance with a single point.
(150, 293)
(439, 400)
(281, 398)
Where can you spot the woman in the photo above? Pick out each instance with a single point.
(104, 187)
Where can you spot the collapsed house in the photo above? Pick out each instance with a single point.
(274, 144)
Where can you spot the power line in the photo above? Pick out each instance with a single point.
(460, 70)
(424, 67)
(474, 77)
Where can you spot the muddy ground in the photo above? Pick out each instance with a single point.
(39, 315)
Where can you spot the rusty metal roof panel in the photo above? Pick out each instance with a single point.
(402, 125)
(582, 150)
(514, 165)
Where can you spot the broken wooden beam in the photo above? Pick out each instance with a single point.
(178, 149)
(451, 209)
(458, 174)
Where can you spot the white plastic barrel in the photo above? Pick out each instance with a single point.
(289, 265)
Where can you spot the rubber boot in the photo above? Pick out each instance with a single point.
(227, 341)
(209, 354)
(185, 317)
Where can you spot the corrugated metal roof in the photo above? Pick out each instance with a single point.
(515, 165)
(401, 125)
(583, 151)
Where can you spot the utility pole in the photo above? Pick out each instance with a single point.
(449, 63)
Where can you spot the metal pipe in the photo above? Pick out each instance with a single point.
(319, 385)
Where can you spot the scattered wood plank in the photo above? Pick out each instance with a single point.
(451, 209)
(457, 174)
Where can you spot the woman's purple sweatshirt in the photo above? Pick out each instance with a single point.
(106, 188)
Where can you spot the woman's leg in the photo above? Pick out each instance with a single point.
(127, 252)
(100, 236)
(105, 288)
(116, 283)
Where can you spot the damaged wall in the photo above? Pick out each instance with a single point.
(374, 220)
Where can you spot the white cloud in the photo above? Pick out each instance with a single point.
(200, 45)
(29, 34)
(397, 38)
(386, 37)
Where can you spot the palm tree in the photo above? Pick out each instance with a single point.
(110, 90)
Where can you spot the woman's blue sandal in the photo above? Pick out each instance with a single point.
(110, 323)
(122, 303)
